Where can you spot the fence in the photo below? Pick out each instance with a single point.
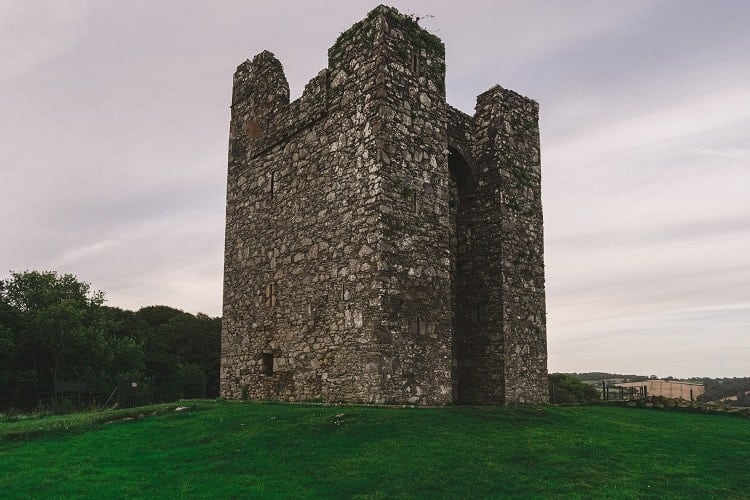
(670, 389)
(615, 393)
(69, 397)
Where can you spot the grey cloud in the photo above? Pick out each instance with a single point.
(114, 133)
(678, 232)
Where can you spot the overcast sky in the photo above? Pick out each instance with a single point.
(113, 144)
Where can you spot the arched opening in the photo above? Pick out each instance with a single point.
(460, 202)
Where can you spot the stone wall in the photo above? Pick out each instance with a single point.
(510, 246)
(381, 246)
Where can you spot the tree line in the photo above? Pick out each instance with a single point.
(565, 388)
(715, 388)
(62, 347)
(720, 388)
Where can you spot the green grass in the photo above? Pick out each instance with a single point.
(233, 449)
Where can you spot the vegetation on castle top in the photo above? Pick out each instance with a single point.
(418, 39)
(408, 23)
(354, 31)
(421, 38)
(222, 450)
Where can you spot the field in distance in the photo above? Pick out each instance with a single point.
(241, 449)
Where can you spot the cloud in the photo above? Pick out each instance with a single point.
(501, 42)
(174, 259)
(32, 33)
(115, 123)
(658, 127)
(682, 343)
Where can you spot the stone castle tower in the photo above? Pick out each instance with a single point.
(382, 246)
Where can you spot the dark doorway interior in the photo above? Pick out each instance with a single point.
(464, 362)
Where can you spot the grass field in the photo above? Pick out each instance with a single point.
(233, 449)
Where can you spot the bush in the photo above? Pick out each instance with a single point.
(567, 389)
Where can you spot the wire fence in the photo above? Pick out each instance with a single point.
(615, 393)
(125, 394)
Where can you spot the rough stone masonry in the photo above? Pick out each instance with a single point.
(382, 246)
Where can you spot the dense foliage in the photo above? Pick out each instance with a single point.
(60, 346)
(733, 391)
(598, 376)
(568, 389)
(718, 389)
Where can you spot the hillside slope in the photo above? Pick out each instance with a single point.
(224, 449)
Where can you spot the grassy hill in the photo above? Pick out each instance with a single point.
(233, 449)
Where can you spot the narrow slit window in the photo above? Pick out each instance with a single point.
(270, 295)
(414, 63)
(267, 364)
(343, 291)
(272, 183)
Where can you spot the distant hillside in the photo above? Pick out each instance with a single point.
(733, 391)
(591, 376)
(730, 391)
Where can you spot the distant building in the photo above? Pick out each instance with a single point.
(674, 389)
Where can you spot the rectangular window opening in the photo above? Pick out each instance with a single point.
(267, 363)
(415, 63)
(272, 182)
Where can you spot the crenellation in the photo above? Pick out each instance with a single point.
(379, 242)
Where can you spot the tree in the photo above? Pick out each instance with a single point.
(197, 342)
(567, 389)
(182, 353)
(60, 324)
(7, 360)
(55, 328)
(8, 321)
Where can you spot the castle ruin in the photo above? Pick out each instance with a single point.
(381, 245)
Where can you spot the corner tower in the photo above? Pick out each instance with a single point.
(382, 246)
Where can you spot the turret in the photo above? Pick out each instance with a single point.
(260, 91)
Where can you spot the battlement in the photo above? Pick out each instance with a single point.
(382, 246)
